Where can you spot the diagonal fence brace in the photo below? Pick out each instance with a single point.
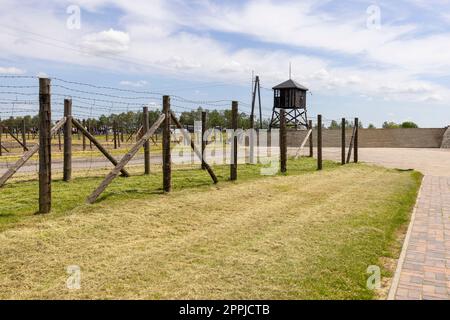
(11, 171)
(115, 172)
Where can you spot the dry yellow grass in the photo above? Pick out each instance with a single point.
(309, 236)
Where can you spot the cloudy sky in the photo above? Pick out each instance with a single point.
(379, 60)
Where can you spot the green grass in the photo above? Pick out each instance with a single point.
(307, 235)
(20, 200)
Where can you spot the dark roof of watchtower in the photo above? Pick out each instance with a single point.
(290, 84)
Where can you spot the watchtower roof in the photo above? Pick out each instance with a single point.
(290, 84)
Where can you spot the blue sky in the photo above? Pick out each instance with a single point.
(393, 68)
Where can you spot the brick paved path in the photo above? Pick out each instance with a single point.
(425, 273)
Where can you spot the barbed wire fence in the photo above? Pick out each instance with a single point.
(108, 122)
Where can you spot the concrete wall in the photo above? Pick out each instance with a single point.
(446, 139)
(376, 138)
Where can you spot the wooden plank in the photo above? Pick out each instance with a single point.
(4, 148)
(194, 148)
(302, 146)
(8, 130)
(119, 167)
(98, 145)
(311, 141)
(12, 170)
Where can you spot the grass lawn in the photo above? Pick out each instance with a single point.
(307, 235)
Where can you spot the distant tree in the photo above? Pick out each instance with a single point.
(334, 125)
(409, 124)
(371, 126)
(390, 125)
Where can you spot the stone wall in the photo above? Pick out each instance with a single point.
(377, 138)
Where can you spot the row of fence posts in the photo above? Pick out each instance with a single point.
(45, 143)
(345, 156)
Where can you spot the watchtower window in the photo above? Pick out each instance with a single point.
(277, 93)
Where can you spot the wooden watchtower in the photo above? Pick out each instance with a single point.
(290, 96)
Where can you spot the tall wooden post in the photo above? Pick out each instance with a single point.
(283, 142)
(355, 153)
(167, 158)
(311, 140)
(1, 146)
(115, 134)
(84, 137)
(1, 133)
(45, 139)
(343, 141)
(67, 175)
(234, 144)
(203, 139)
(146, 126)
(24, 139)
(119, 130)
(90, 131)
(59, 140)
(319, 142)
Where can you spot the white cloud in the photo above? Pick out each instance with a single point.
(433, 98)
(106, 42)
(11, 70)
(137, 84)
(154, 39)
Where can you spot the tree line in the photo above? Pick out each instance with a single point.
(131, 121)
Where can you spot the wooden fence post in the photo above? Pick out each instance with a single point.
(355, 153)
(68, 140)
(119, 130)
(311, 140)
(319, 142)
(234, 143)
(115, 134)
(283, 145)
(343, 141)
(84, 137)
(1, 133)
(203, 139)
(167, 158)
(146, 126)
(45, 139)
(90, 131)
(24, 138)
(59, 140)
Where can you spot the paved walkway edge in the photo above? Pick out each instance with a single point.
(401, 260)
